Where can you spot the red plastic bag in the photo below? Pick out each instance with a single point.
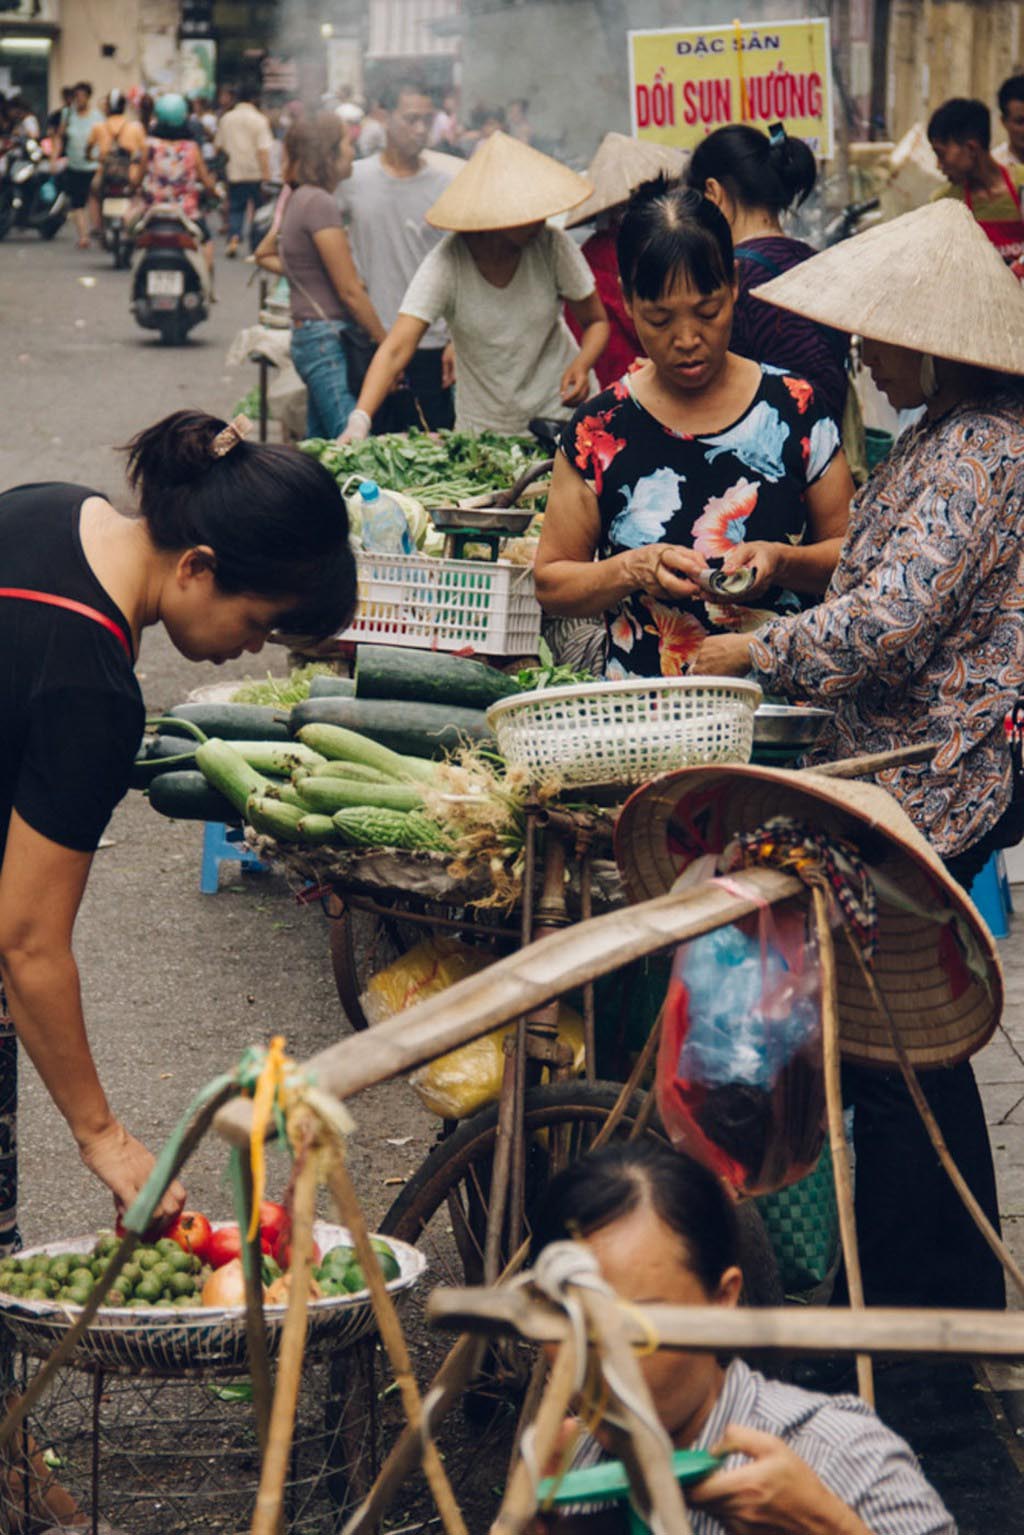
(739, 1078)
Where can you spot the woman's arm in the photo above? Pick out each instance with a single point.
(389, 363)
(41, 887)
(266, 253)
(571, 583)
(803, 567)
(591, 317)
(336, 254)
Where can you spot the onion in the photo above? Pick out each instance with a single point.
(226, 1286)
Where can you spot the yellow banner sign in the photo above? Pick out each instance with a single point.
(685, 83)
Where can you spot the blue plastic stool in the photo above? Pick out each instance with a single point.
(220, 843)
(991, 895)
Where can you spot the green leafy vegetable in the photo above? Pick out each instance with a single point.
(281, 692)
(547, 674)
(436, 468)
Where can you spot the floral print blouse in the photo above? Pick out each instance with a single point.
(654, 485)
(921, 634)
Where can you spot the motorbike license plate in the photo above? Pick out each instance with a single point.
(115, 207)
(165, 284)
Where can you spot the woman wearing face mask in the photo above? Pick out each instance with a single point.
(663, 1229)
(308, 244)
(755, 178)
(499, 280)
(700, 461)
(920, 640)
(229, 539)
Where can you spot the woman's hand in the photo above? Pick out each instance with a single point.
(124, 1164)
(575, 384)
(448, 366)
(723, 655)
(357, 427)
(764, 558)
(665, 570)
(774, 1493)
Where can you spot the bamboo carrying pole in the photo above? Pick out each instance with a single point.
(832, 1063)
(270, 1497)
(777, 1329)
(522, 982)
(519, 1504)
(347, 1201)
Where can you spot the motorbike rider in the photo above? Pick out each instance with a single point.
(171, 169)
(115, 143)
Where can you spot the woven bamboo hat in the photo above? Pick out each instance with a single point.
(930, 280)
(504, 185)
(935, 962)
(620, 166)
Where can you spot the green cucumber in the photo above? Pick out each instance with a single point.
(187, 796)
(410, 729)
(327, 795)
(229, 772)
(342, 769)
(274, 818)
(276, 758)
(228, 722)
(425, 676)
(160, 754)
(332, 687)
(336, 742)
(317, 829)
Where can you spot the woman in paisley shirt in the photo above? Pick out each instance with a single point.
(920, 639)
(697, 460)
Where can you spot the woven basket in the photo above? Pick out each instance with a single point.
(627, 732)
(179, 1341)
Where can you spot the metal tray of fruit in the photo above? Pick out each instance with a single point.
(180, 1339)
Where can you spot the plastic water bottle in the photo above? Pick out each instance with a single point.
(385, 525)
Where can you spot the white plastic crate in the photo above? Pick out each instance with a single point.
(409, 599)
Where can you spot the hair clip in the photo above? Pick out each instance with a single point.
(776, 135)
(230, 437)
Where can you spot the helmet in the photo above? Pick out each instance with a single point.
(171, 110)
(116, 103)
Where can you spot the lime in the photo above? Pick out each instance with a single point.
(337, 1260)
(179, 1260)
(37, 1265)
(182, 1284)
(81, 1277)
(163, 1272)
(106, 1244)
(390, 1267)
(185, 1300)
(148, 1289)
(60, 1269)
(148, 1257)
(78, 1295)
(353, 1278)
(165, 1303)
(36, 1294)
(167, 1246)
(130, 1274)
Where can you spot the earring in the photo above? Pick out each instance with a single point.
(929, 379)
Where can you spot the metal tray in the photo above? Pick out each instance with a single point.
(481, 519)
(789, 725)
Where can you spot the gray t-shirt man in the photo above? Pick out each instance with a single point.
(389, 232)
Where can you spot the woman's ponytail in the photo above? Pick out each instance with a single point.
(757, 170)
(793, 164)
(173, 453)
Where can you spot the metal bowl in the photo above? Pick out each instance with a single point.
(481, 519)
(789, 725)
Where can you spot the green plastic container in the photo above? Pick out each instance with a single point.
(877, 445)
(608, 1482)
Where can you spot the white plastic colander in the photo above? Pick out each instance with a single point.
(627, 732)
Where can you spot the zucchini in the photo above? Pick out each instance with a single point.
(229, 772)
(274, 818)
(287, 793)
(332, 687)
(370, 826)
(342, 769)
(276, 758)
(186, 796)
(317, 829)
(228, 722)
(412, 730)
(336, 742)
(327, 795)
(425, 676)
(160, 754)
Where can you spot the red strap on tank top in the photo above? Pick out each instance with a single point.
(21, 594)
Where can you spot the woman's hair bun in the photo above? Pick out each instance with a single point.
(758, 170)
(175, 451)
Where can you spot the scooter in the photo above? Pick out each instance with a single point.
(170, 282)
(31, 197)
(115, 200)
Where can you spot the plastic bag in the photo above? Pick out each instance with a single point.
(739, 1079)
(457, 1084)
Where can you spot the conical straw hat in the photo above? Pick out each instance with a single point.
(504, 185)
(935, 964)
(620, 166)
(930, 280)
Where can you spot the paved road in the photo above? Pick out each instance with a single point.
(176, 984)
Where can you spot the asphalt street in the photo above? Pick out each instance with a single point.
(175, 983)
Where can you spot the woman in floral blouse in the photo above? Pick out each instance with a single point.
(699, 460)
(920, 639)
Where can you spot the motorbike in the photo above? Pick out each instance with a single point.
(170, 284)
(31, 196)
(115, 201)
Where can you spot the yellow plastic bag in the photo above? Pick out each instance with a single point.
(463, 1081)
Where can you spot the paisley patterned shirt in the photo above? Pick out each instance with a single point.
(921, 634)
(654, 485)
